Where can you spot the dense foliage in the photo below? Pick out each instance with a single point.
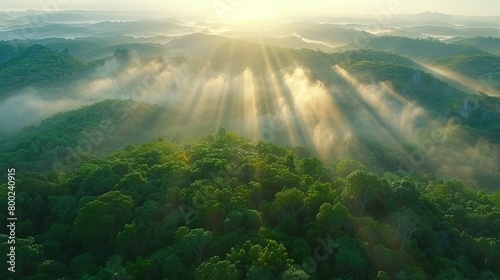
(34, 66)
(368, 157)
(223, 207)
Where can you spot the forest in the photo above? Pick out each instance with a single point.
(143, 145)
(226, 207)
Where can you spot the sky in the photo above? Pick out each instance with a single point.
(267, 8)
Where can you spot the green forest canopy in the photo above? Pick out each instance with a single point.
(224, 206)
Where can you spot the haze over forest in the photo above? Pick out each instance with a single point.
(290, 123)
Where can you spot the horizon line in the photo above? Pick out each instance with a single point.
(282, 16)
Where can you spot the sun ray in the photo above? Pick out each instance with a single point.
(249, 102)
(318, 113)
(376, 113)
(471, 85)
(272, 99)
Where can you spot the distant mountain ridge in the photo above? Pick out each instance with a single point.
(414, 48)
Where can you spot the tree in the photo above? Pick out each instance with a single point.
(406, 192)
(234, 221)
(319, 193)
(99, 221)
(274, 258)
(347, 166)
(81, 265)
(142, 268)
(222, 132)
(312, 167)
(488, 275)
(331, 218)
(290, 163)
(100, 181)
(52, 268)
(295, 273)
(214, 269)
(113, 269)
(253, 219)
(362, 186)
(451, 273)
(133, 184)
(127, 238)
(196, 241)
(290, 201)
(382, 275)
(173, 268)
(238, 228)
(491, 250)
(65, 208)
(349, 262)
(406, 223)
(29, 255)
(259, 273)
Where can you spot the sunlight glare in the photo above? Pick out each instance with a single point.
(472, 85)
(318, 113)
(247, 11)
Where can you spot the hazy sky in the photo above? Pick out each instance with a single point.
(267, 8)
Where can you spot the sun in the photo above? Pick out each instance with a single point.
(236, 11)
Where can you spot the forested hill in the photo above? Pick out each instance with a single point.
(372, 106)
(92, 130)
(415, 48)
(489, 44)
(36, 65)
(224, 207)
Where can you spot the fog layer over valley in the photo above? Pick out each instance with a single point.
(401, 105)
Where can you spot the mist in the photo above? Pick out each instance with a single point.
(342, 119)
(283, 82)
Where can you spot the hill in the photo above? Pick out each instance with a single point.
(482, 72)
(158, 150)
(333, 36)
(415, 48)
(92, 130)
(35, 66)
(290, 42)
(443, 31)
(195, 44)
(225, 207)
(88, 49)
(28, 30)
(487, 44)
(372, 106)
